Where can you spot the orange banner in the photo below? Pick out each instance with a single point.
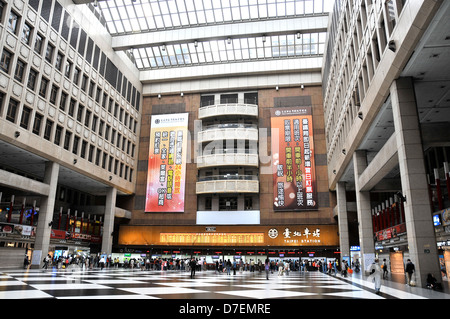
(294, 180)
(167, 163)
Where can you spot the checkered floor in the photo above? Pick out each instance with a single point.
(76, 283)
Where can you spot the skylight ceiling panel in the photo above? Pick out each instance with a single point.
(299, 7)
(236, 14)
(253, 10)
(262, 10)
(309, 6)
(159, 22)
(209, 15)
(272, 7)
(192, 18)
(290, 8)
(167, 19)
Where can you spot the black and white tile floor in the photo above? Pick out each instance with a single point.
(109, 284)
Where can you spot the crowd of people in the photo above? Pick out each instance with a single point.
(281, 267)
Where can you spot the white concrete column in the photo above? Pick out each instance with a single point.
(108, 224)
(364, 212)
(418, 215)
(344, 241)
(46, 209)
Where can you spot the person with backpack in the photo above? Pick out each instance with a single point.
(409, 271)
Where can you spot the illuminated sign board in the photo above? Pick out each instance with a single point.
(238, 236)
(212, 238)
(293, 167)
(167, 163)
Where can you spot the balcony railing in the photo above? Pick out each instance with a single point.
(227, 186)
(228, 159)
(228, 109)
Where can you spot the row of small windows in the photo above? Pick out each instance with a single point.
(77, 38)
(64, 99)
(70, 141)
(62, 65)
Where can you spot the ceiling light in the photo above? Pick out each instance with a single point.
(229, 40)
(163, 47)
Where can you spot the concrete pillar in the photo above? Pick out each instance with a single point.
(108, 224)
(418, 215)
(364, 212)
(344, 241)
(46, 209)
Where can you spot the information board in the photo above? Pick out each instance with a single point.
(294, 180)
(167, 163)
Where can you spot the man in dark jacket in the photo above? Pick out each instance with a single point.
(192, 265)
(409, 271)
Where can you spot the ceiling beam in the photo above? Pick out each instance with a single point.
(221, 31)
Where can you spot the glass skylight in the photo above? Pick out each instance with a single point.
(228, 51)
(123, 17)
(127, 16)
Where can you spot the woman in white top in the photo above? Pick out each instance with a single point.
(376, 274)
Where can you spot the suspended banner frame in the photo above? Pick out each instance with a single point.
(166, 175)
(293, 165)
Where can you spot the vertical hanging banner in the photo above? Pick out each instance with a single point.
(167, 163)
(294, 178)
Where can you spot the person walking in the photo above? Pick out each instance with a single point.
(375, 275)
(409, 271)
(192, 265)
(228, 265)
(267, 268)
(26, 262)
(280, 268)
(385, 270)
(46, 261)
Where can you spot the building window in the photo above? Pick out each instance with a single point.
(25, 120)
(84, 81)
(2, 10)
(26, 34)
(38, 44)
(43, 88)
(63, 101)
(5, 62)
(54, 94)
(37, 124)
(100, 128)
(91, 89)
(68, 69)
(48, 129)
(12, 110)
(31, 84)
(13, 22)
(228, 203)
(67, 137)
(76, 76)
(76, 141)
(2, 100)
(80, 113)
(72, 105)
(20, 70)
(58, 135)
(91, 153)
(87, 119)
(83, 149)
(49, 53)
(59, 61)
(94, 123)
